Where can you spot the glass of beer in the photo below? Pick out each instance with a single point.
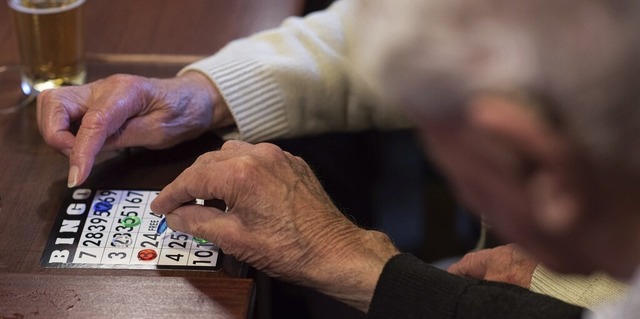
(51, 42)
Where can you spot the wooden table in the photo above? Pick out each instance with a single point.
(122, 36)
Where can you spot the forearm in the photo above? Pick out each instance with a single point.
(350, 270)
(409, 288)
(294, 81)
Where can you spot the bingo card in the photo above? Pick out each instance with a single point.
(115, 228)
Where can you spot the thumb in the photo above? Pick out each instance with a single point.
(209, 223)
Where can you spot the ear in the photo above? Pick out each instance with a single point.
(543, 153)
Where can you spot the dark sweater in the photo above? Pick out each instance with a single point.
(411, 288)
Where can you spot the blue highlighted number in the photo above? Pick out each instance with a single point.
(102, 206)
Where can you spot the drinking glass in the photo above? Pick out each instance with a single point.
(51, 44)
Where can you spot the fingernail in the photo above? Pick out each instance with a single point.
(73, 176)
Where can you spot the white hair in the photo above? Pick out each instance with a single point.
(581, 56)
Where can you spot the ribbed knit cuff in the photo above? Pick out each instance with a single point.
(585, 291)
(253, 98)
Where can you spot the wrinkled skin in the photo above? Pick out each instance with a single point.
(506, 263)
(123, 111)
(279, 220)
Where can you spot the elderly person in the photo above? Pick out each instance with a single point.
(531, 121)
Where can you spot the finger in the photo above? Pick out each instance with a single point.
(178, 192)
(88, 143)
(471, 265)
(215, 175)
(456, 268)
(97, 125)
(56, 110)
(193, 183)
(209, 223)
(202, 180)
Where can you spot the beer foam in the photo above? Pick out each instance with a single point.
(19, 6)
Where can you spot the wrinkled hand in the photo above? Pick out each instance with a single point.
(279, 220)
(505, 263)
(124, 111)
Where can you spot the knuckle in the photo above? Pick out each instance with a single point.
(246, 168)
(49, 137)
(470, 257)
(231, 144)
(124, 79)
(94, 119)
(45, 96)
(190, 171)
(294, 158)
(205, 158)
(269, 150)
(128, 82)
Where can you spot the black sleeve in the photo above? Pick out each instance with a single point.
(411, 288)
